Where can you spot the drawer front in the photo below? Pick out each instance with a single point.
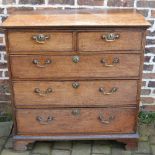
(92, 66)
(87, 120)
(40, 41)
(79, 93)
(105, 41)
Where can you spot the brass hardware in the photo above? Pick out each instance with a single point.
(110, 37)
(43, 93)
(105, 121)
(113, 90)
(76, 59)
(44, 121)
(40, 38)
(75, 85)
(115, 61)
(76, 112)
(39, 64)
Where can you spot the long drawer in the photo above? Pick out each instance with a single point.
(40, 41)
(74, 121)
(75, 93)
(75, 66)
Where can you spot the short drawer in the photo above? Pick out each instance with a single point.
(75, 93)
(76, 120)
(81, 66)
(110, 40)
(40, 41)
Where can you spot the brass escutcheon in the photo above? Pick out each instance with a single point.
(105, 121)
(114, 62)
(110, 37)
(42, 65)
(43, 93)
(75, 85)
(40, 38)
(44, 121)
(76, 59)
(113, 90)
(76, 112)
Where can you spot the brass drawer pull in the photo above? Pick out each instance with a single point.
(43, 93)
(114, 62)
(113, 90)
(40, 38)
(44, 121)
(43, 64)
(106, 121)
(76, 112)
(75, 85)
(76, 59)
(110, 37)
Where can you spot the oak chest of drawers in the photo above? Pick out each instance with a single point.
(75, 74)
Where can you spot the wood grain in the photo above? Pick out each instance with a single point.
(68, 113)
(73, 17)
(92, 41)
(22, 41)
(86, 122)
(62, 66)
(87, 94)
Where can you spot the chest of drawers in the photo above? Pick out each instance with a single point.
(75, 75)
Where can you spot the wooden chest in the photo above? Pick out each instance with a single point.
(75, 74)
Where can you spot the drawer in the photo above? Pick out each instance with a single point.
(110, 40)
(79, 93)
(82, 66)
(74, 121)
(40, 41)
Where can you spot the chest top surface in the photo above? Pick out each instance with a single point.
(74, 18)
